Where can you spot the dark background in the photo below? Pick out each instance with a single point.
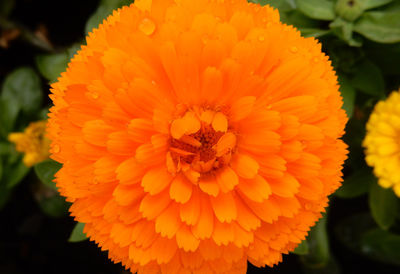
(31, 242)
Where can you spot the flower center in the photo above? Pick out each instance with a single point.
(201, 143)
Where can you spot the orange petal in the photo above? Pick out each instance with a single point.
(227, 179)
(245, 217)
(168, 222)
(119, 144)
(209, 185)
(204, 227)
(163, 250)
(130, 172)
(224, 207)
(286, 186)
(156, 180)
(223, 233)
(152, 205)
(190, 211)
(186, 240)
(220, 123)
(256, 189)
(188, 124)
(245, 166)
(180, 189)
(241, 108)
(96, 132)
(140, 130)
(225, 144)
(126, 195)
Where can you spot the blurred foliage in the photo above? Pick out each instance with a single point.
(362, 38)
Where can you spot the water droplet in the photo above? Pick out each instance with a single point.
(56, 149)
(315, 59)
(269, 24)
(147, 26)
(95, 95)
(261, 38)
(264, 20)
(294, 49)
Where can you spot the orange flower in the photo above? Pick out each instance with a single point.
(197, 136)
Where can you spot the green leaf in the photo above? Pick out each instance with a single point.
(15, 173)
(8, 116)
(299, 20)
(281, 5)
(51, 65)
(356, 184)
(348, 93)
(22, 87)
(1, 168)
(103, 11)
(380, 26)
(54, 206)
(318, 244)
(381, 245)
(368, 78)
(384, 205)
(313, 32)
(370, 4)
(317, 9)
(77, 234)
(302, 248)
(46, 170)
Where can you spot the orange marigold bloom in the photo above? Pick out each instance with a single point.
(197, 136)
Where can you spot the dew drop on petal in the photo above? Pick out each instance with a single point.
(294, 49)
(147, 26)
(261, 38)
(56, 149)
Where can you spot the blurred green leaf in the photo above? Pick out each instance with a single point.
(348, 93)
(54, 206)
(22, 87)
(51, 65)
(1, 168)
(77, 234)
(5, 148)
(386, 56)
(281, 5)
(8, 116)
(356, 184)
(15, 173)
(46, 170)
(368, 78)
(384, 205)
(379, 26)
(381, 245)
(299, 20)
(317, 9)
(370, 4)
(344, 30)
(312, 32)
(103, 11)
(6, 6)
(302, 248)
(318, 245)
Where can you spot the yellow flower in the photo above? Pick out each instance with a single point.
(382, 142)
(32, 142)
